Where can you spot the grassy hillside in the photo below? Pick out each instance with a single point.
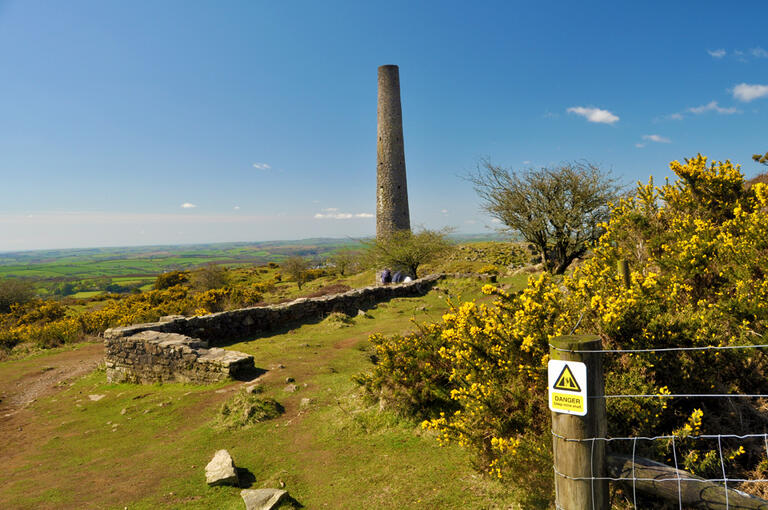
(146, 446)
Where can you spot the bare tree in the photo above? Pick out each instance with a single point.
(558, 210)
(296, 267)
(210, 276)
(345, 260)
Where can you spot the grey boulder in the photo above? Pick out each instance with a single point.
(221, 470)
(262, 499)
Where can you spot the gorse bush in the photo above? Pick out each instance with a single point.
(698, 255)
(170, 279)
(48, 323)
(410, 375)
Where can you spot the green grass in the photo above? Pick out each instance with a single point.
(86, 294)
(141, 262)
(335, 453)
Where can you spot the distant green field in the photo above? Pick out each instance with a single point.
(86, 294)
(89, 271)
(141, 264)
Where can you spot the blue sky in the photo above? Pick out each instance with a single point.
(136, 123)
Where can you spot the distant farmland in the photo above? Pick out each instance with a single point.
(136, 263)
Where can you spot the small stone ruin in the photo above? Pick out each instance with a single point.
(152, 356)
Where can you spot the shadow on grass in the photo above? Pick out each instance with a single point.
(249, 375)
(289, 503)
(245, 477)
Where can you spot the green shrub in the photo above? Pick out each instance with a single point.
(245, 409)
(170, 279)
(339, 320)
(14, 292)
(410, 376)
(211, 276)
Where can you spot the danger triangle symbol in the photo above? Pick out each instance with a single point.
(566, 381)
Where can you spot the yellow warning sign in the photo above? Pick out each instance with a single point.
(566, 381)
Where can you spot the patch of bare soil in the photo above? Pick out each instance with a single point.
(347, 343)
(42, 377)
(337, 288)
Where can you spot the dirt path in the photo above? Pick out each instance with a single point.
(24, 381)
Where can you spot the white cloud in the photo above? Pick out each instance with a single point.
(746, 92)
(236, 208)
(657, 138)
(526, 162)
(671, 116)
(712, 106)
(261, 166)
(444, 211)
(495, 220)
(639, 145)
(329, 209)
(340, 216)
(187, 205)
(740, 55)
(594, 114)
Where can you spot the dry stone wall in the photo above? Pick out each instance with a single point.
(151, 356)
(249, 322)
(177, 348)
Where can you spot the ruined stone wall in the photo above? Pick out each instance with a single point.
(151, 356)
(249, 322)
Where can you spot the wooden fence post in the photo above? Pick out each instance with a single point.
(623, 268)
(581, 459)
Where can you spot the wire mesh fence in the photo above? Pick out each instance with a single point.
(635, 470)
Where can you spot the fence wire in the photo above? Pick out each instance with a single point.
(677, 478)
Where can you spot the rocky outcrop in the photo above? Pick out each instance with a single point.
(152, 356)
(221, 470)
(248, 322)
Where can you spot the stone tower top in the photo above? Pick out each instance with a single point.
(391, 191)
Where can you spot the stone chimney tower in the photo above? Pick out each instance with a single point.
(391, 191)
